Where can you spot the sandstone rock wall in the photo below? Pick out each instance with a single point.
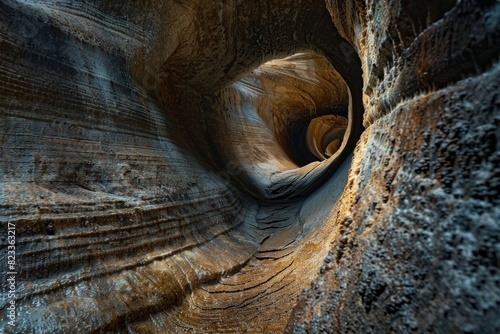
(420, 221)
(158, 173)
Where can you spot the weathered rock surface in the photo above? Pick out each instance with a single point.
(159, 163)
(420, 221)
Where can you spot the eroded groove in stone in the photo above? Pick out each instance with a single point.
(266, 288)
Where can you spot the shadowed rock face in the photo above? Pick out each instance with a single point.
(187, 166)
(418, 233)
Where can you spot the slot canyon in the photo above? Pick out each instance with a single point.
(237, 166)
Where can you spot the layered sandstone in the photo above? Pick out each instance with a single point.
(192, 166)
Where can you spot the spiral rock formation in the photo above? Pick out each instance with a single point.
(192, 166)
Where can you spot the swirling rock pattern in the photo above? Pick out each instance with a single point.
(325, 134)
(156, 165)
(139, 170)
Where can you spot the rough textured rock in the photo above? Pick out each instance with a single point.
(159, 162)
(420, 221)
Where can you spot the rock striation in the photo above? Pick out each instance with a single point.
(192, 166)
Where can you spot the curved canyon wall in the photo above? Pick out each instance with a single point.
(230, 166)
(420, 220)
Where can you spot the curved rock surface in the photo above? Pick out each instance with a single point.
(418, 233)
(178, 166)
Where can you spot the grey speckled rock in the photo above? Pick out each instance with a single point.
(420, 222)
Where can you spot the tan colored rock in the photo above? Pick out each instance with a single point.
(131, 158)
(325, 134)
(420, 212)
(155, 166)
